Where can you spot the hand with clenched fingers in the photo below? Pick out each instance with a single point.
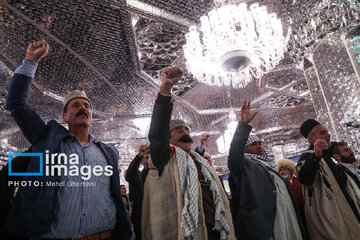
(37, 50)
(170, 77)
(319, 146)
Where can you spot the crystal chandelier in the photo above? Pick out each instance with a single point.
(234, 44)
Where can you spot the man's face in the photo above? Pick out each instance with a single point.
(285, 172)
(180, 137)
(255, 148)
(346, 154)
(319, 132)
(123, 190)
(79, 113)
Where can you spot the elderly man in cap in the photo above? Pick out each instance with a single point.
(263, 207)
(54, 210)
(330, 211)
(286, 168)
(183, 197)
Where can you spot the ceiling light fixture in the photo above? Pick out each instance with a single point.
(234, 44)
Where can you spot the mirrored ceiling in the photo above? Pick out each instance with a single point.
(115, 51)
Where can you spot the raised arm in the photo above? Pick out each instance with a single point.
(308, 166)
(237, 148)
(133, 169)
(31, 125)
(200, 148)
(309, 162)
(160, 120)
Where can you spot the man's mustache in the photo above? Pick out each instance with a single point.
(186, 139)
(81, 112)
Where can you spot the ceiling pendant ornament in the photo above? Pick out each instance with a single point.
(234, 44)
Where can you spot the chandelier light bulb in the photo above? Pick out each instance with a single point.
(234, 44)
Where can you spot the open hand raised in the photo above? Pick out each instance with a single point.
(37, 50)
(246, 115)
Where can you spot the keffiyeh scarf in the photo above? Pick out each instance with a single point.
(189, 184)
(262, 159)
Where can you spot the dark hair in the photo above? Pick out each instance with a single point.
(334, 148)
(122, 185)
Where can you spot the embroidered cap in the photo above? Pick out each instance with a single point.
(174, 123)
(75, 94)
(307, 126)
(251, 139)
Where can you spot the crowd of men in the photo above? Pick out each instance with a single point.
(177, 194)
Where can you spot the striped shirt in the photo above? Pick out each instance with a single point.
(83, 210)
(27, 68)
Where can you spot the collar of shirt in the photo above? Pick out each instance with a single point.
(72, 137)
(351, 167)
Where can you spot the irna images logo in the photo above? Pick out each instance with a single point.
(17, 154)
(60, 164)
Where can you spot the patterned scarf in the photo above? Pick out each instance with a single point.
(262, 159)
(189, 184)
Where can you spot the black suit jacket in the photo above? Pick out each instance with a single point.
(253, 192)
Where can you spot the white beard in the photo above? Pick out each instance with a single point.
(285, 176)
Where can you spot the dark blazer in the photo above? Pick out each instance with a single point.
(31, 211)
(19, 164)
(136, 180)
(253, 192)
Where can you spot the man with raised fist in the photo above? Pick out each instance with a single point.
(331, 210)
(52, 211)
(183, 197)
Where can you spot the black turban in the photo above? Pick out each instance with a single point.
(307, 126)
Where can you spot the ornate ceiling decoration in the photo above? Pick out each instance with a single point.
(115, 51)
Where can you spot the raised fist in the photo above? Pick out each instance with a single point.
(204, 137)
(170, 77)
(37, 50)
(143, 149)
(319, 146)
